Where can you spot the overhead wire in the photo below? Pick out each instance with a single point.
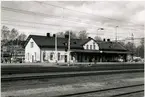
(128, 38)
(22, 21)
(42, 14)
(72, 10)
(28, 22)
(25, 25)
(83, 12)
(14, 20)
(35, 13)
(60, 7)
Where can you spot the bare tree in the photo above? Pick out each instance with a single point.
(72, 34)
(60, 34)
(130, 46)
(22, 37)
(142, 41)
(13, 34)
(83, 34)
(97, 38)
(140, 49)
(122, 43)
(5, 32)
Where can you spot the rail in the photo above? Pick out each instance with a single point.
(110, 90)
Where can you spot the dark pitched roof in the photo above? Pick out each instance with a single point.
(108, 45)
(45, 42)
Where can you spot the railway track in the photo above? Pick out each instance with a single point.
(109, 92)
(30, 76)
(77, 67)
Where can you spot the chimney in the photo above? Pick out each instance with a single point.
(104, 39)
(53, 35)
(108, 39)
(48, 34)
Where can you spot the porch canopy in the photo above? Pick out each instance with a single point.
(117, 52)
(99, 51)
(86, 51)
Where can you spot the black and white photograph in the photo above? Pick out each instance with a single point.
(72, 48)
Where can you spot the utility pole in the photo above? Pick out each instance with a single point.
(132, 45)
(116, 33)
(69, 49)
(12, 51)
(2, 52)
(56, 48)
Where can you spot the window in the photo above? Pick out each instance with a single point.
(72, 57)
(35, 56)
(94, 46)
(58, 56)
(28, 56)
(48, 56)
(51, 56)
(62, 57)
(32, 44)
(87, 47)
(44, 55)
(85, 57)
(90, 46)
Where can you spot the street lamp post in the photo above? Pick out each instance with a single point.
(100, 51)
(101, 56)
(99, 29)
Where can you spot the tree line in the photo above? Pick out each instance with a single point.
(77, 35)
(136, 50)
(11, 35)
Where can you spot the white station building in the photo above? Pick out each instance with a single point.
(43, 49)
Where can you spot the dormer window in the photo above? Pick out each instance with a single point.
(90, 47)
(32, 44)
(94, 46)
(87, 46)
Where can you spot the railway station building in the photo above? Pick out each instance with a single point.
(43, 49)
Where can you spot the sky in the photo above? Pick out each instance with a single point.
(36, 17)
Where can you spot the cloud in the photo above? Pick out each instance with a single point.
(126, 14)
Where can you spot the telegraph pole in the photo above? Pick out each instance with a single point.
(2, 52)
(69, 49)
(56, 48)
(116, 33)
(132, 45)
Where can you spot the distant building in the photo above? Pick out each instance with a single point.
(42, 49)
